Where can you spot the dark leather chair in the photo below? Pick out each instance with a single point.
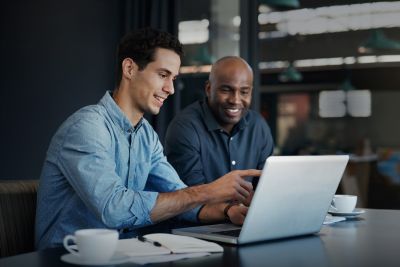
(17, 216)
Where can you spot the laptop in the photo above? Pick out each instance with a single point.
(292, 198)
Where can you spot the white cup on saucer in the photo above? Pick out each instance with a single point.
(344, 203)
(92, 245)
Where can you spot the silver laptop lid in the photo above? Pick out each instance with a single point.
(292, 197)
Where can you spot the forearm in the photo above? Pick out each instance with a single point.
(230, 187)
(173, 203)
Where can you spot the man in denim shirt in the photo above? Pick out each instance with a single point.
(105, 166)
(219, 134)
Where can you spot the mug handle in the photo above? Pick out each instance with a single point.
(70, 248)
(333, 205)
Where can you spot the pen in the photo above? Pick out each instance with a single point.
(144, 239)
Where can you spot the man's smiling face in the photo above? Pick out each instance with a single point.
(154, 83)
(229, 91)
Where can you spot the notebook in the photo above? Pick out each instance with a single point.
(161, 244)
(292, 198)
(161, 247)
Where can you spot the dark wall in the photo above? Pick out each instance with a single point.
(55, 57)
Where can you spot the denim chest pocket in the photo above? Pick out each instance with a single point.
(139, 174)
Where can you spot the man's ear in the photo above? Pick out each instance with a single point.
(129, 68)
(208, 88)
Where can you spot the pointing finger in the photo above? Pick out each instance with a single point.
(250, 172)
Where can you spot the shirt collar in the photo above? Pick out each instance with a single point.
(117, 115)
(212, 123)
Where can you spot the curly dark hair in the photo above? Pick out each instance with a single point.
(140, 46)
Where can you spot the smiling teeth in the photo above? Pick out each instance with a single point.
(233, 110)
(159, 98)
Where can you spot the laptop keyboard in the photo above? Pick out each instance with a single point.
(234, 233)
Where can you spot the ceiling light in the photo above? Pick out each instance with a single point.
(290, 74)
(281, 4)
(378, 41)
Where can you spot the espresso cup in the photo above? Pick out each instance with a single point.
(92, 245)
(344, 203)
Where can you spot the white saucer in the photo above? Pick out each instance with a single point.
(74, 259)
(354, 213)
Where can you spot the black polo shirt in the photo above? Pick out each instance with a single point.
(201, 151)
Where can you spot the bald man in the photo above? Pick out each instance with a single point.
(220, 134)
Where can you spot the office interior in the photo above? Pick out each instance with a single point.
(327, 74)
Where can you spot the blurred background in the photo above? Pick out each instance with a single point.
(327, 74)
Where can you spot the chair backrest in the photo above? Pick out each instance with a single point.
(17, 216)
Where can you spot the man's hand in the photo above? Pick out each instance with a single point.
(248, 200)
(237, 214)
(232, 186)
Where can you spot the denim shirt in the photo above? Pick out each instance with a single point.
(101, 172)
(201, 151)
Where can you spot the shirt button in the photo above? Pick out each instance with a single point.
(231, 138)
(233, 162)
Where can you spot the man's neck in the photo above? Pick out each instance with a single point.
(123, 102)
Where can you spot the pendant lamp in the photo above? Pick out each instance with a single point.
(290, 74)
(281, 4)
(378, 41)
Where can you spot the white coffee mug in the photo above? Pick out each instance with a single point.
(344, 203)
(92, 245)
